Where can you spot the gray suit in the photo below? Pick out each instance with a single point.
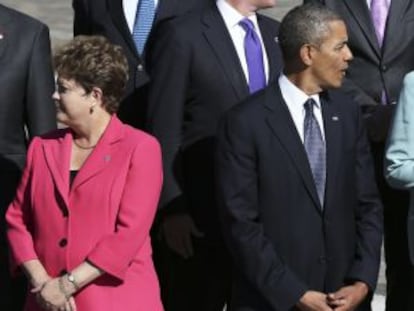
(26, 107)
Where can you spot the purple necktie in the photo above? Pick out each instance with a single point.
(254, 56)
(379, 13)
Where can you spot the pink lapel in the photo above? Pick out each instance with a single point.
(101, 156)
(57, 153)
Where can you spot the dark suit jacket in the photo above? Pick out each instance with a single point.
(26, 110)
(375, 69)
(26, 80)
(197, 77)
(282, 242)
(106, 17)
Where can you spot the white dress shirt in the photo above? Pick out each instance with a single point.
(232, 18)
(295, 99)
(130, 11)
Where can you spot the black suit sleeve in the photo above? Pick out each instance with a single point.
(81, 20)
(169, 62)
(40, 110)
(368, 215)
(237, 181)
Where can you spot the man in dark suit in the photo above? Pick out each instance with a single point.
(115, 19)
(374, 80)
(299, 205)
(200, 70)
(26, 109)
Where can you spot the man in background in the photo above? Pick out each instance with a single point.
(381, 38)
(202, 64)
(131, 24)
(26, 110)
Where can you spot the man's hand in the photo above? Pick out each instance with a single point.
(349, 297)
(314, 301)
(177, 231)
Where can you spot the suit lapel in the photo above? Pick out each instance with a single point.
(57, 155)
(269, 41)
(102, 155)
(332, 121)
(359, 10)
(393, 31)
(283, 127)
(220, 42)
(116, 12)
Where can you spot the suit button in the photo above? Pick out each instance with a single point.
(63, 242)
(322, 259)
(140, 67)
(384, 68)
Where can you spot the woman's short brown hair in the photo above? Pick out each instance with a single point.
(92, 61)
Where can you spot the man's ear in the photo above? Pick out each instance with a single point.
(306, 53)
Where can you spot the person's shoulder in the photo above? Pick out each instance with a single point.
(137, 137)
(188, 21)
(409, 78)
(268, 21)
(253, 106)
(49, 138)
(28, 22)
(341, 100)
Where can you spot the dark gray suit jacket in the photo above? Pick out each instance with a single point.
(197, 77)
(26, 110)
(26, 85)
(282, 241)
(106, 18)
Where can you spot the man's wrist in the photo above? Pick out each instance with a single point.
(362, 286)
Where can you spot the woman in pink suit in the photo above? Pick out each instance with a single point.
(79, 225)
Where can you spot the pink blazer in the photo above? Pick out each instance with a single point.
(105, 217)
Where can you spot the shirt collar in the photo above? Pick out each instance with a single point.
(231, 16)
(293, 94)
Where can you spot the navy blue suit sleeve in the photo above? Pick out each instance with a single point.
(368, 214)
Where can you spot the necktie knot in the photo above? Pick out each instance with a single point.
(247, 24)
(309, 105)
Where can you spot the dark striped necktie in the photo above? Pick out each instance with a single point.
(315, 148)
